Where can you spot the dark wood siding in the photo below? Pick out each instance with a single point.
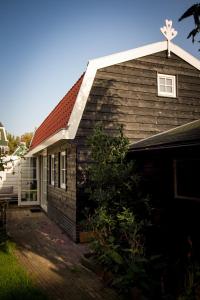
(62, 202)
(126, 94)
(173, 219)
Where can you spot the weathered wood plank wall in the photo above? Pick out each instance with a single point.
(62, 202)
(126, 94)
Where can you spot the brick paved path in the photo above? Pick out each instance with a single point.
(52, 259)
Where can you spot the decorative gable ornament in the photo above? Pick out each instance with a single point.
(169, 32)
(70, 109)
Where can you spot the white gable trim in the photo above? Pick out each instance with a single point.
(189, 58)
(60, 135)
(113, 59)
(89, 77)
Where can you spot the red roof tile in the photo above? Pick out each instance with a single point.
(59, 116)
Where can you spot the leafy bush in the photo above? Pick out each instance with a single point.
(121, 210)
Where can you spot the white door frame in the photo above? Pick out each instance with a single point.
(22, 181)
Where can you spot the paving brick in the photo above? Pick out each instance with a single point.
(52, 259)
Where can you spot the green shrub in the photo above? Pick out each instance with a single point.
(121, 210)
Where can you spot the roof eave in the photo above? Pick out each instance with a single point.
(186, 144)
(60, 135)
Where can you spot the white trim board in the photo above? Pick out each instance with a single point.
(107, 61)
(60, 135)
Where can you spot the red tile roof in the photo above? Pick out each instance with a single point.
(59, 117)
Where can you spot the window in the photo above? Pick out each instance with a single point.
(166, 85)
(44, 175)
(52, 169)
(187, 178)
(63, 170)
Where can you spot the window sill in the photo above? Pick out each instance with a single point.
(167, 95)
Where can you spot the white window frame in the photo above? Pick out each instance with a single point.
(63, 169)
(165, 93)
(52, 169)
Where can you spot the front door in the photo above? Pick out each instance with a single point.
(43, 182)
(28, 182)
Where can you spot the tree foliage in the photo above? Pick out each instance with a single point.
(193, 11)
(114, 179)
(13, 142)
(26, 138)
(121, 209)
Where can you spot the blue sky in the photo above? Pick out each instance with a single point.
(45, 46)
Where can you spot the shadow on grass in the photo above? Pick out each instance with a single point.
(59, 256)
(14, 281)
(22, 293)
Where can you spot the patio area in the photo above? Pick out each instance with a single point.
(52, 259)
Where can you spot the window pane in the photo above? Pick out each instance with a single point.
(162, 88)
(52, 169)
(168, 89)
(62, 170)
(62, 162)
(169, 81)
(62, 178)
(162, 81)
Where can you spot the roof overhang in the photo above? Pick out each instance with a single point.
(60, 135)
(186, 135)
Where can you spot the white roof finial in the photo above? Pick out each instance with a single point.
(168, 32)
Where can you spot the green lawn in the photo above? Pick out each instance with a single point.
(14, 281)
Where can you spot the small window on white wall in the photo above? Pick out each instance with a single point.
(63, 170)
(52, 169)
(166, 85)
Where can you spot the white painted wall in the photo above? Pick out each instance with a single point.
(9, 177)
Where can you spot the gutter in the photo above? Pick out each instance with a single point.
(164, 147)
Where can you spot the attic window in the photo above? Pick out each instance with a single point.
(166, 85)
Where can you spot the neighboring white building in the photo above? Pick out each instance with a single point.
(3, 140)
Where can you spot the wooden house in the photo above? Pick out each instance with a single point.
(148, 90)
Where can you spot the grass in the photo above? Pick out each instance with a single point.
(14, 280)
